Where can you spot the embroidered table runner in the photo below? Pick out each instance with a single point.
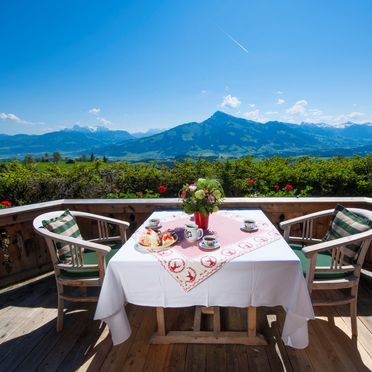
(189, 265)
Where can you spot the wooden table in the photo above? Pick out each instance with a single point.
(197, 336)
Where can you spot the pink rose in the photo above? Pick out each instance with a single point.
(183, 194)
(211, 199)
(192, 187)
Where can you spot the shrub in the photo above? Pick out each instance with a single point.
(25, 183)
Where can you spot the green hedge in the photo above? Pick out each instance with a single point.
(24, 184)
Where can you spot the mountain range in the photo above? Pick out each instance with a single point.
(219, 136)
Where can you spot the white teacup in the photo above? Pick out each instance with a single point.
(154, 222)
(192, 232)
(250, 224)
(209, 240)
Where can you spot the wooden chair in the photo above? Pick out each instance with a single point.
(329, 265)
(88, 257)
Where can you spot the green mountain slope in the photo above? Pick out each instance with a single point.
(224, 135)
(221, 135)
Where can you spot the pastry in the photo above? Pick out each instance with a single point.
(153, 239)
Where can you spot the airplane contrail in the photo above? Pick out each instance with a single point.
(235, 41)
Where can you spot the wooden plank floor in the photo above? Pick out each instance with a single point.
(28, 340)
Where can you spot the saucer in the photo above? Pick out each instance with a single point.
(206, 247)
(243, 228)
(157, 227)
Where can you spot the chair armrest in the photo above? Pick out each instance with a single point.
(99, 248)
(110, 220)
(293, 221)
(63, 266)
(325, 246)
(300, 239)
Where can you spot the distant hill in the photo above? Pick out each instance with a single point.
(221, 135)
(67, 141)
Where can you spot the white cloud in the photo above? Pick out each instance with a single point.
(354, 115)
(316, 112)
(255, 115)
(252, 105)
(300, 112)
(318, 116)
(298, 108)
(338, 120)
(94, 111)
(230, 101)
(252, 115)
(104, 121)
(280, 101)
(279, 92)
(4, 116)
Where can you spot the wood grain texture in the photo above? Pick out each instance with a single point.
(31, 342)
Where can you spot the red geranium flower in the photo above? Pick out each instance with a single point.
(162, 188)
(288, 187)
(276, 187)
(251, 182)
(7, 203)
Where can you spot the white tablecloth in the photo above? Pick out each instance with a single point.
(269, 276)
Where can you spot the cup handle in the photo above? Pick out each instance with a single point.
(200, 233)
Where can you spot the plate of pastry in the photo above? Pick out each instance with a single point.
(151, 240)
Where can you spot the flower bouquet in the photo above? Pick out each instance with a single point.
(202, 198)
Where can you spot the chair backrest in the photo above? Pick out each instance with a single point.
(362, 212)
(38, 221)
(341, 256)
(74, 247)
(74, 258)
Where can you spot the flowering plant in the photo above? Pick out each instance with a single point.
(5, 204)
(204, 196)
(162, 189)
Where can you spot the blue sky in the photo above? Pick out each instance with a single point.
(156, 64)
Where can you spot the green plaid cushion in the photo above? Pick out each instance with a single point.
(65, 224)
(345, 223)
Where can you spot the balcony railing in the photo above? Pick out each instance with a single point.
(28, 255)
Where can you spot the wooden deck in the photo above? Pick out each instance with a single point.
(28, 340)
